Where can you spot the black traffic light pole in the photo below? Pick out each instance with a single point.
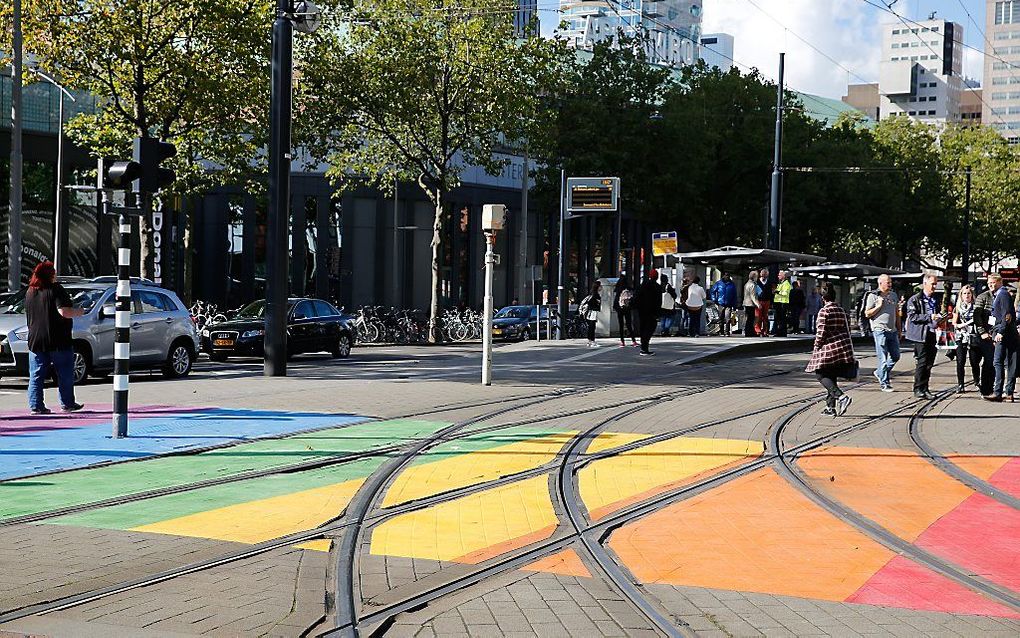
(279, 194)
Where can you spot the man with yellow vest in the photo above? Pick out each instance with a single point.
(781, 303)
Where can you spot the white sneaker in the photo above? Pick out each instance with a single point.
(842, 404)
(594, 345)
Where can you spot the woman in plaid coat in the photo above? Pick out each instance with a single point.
(833, 354)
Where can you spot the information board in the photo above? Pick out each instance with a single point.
(593, 194)
(664, 244)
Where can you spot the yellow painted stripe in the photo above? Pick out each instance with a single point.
(609, 440)
(618, 478)
(468, 524)
(265, 519)
(462, 470)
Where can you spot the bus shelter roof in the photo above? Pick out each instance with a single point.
(735, 257)
(847, 271)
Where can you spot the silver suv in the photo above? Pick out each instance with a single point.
(163, 334)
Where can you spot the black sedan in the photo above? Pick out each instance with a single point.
(313, 325)
(518, 323)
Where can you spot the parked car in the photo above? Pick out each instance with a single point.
(313, 325)
(517, 323)
(162, 333)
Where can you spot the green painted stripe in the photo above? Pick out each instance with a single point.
(78, 487)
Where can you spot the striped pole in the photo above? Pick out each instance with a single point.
(122, 345)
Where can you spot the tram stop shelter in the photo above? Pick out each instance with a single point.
(737, 258)
(848, 273)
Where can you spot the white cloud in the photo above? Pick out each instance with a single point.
(846, 30)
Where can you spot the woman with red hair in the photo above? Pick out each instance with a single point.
(50, 313)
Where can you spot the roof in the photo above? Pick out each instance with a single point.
(826, 109)
(847, 271)
(741, 257)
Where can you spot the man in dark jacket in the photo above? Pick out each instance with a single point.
(923, 318)
(724, 294)
(983, 323)
(797, 302)
(649, 302)
(1004, 335)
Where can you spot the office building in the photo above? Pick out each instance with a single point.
(1002, 69)
(920, 75)
(864, 98)
(717, 50)
(670, 29)
(971, 105)
(526, 21)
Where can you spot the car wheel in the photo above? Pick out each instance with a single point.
(178, 361)
(218, 357)
(526, 335)
(82, 364)
(342, 349)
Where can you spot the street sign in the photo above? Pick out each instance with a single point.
(593, 194)
(664, 244)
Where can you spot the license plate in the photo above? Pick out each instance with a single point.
(497, 331)
(223, 342)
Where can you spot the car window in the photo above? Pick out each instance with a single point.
(153, 302)
(305, 309)
(86, 298)
(323, 309)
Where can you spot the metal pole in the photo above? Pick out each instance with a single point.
(14, 216)
(522, 249)
(397, 297)
(966, 234)
(561, 294)
(60, 221)
(775, 210)
(122, 340)
(279, 194)
(617, 243)
(490, 260)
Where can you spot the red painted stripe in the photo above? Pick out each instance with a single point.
(904, 583)
(1007, 478)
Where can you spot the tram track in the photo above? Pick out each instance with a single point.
(943, 464)
(785, 465)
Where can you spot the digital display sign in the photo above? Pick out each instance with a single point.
(593, 194)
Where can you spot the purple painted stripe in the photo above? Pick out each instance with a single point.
(20, 422)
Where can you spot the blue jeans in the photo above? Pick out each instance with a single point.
(887, 345)
(1005, 368)
(39, 368)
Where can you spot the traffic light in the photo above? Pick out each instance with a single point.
(121, 174)
(149, 153)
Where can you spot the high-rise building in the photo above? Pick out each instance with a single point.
(717, 50)
(670, 29)
(526, 18)
(864, 98)
(1002, 69)
(920, 75)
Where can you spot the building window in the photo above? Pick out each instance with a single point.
(895, 31)
(935, 29)
(931, 112)
(1007, 12)
(912, 113)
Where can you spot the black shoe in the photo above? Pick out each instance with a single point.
(74, 407)
(42, 411)
(924, 395)
(961, 389)
(827, 411)
(646, 354)
(995, 398)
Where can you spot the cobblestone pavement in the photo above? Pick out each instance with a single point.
(698, 528)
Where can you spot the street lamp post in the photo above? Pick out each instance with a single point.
(14, 214)
(60, 223)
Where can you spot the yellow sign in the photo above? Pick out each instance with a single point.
(664, 244)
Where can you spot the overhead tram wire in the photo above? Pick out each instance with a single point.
(907, 22)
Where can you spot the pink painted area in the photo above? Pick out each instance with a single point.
(906, 584)
(22, 422)
(1007, 478)
(981, 535)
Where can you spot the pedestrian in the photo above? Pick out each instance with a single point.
(797, 303)
(589, 309)
(623, 300)
(668, 306)
(923, 318)
(781, 302)
(695, 304)
(750, 303)
(983, 323)
(880, 310)
(812, 304)
(50, 312)
(862, 320)
(765, 295)
(967, 341)
(649, 304)
(832, 357)
(724, 294)
(1006, 339)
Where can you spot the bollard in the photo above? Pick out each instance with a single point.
(122, 344)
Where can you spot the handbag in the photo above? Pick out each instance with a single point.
(853, 370)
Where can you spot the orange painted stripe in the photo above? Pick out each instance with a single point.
(492, 551)
(565, 563)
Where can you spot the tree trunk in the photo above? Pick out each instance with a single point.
(435, 333)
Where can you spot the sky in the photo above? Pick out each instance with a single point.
(848, 31)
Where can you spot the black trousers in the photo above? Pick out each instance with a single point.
(987, 349)
(924, 360)
(793, 320)
(695, 322)
(625, 319)
(749, 321)
(965, 351)
(646, 326)
(591, 329)
(780, 320)
(828, 378)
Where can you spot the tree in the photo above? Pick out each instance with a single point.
(416, 90)
(190, 72)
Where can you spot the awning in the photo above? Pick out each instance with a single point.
(847, 271)
(736, 257)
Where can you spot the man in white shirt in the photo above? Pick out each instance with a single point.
(696, 296)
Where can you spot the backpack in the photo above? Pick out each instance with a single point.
(582, 308)
(625, 298)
